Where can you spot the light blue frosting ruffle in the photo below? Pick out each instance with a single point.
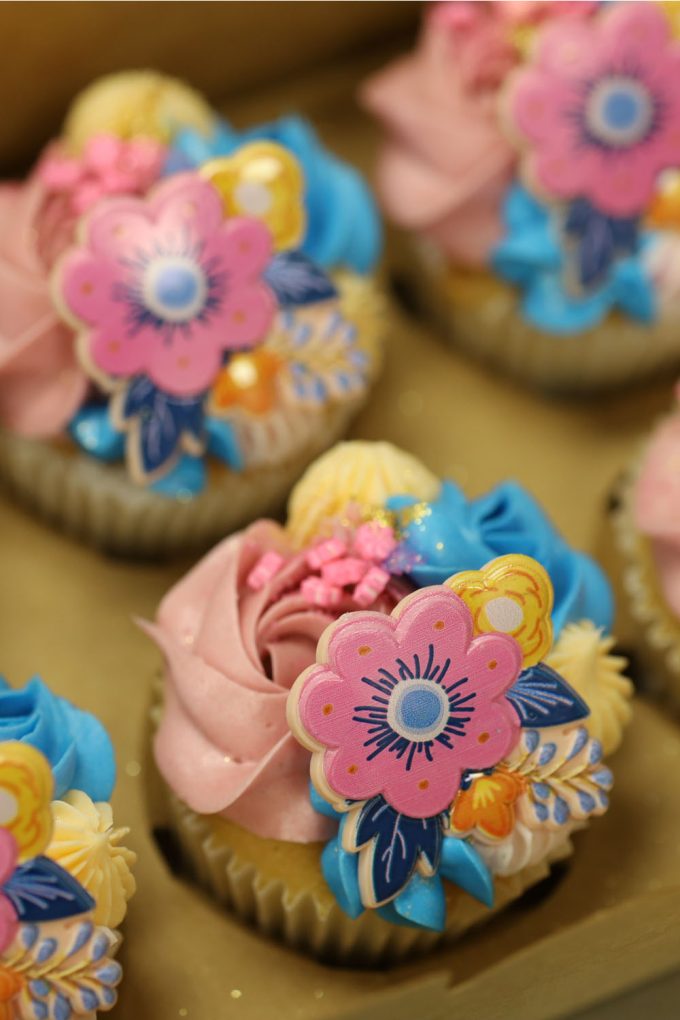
(75, 743)
(531, 255)
(92, 430)
(422, 902)
(343, 224)
(464, 534)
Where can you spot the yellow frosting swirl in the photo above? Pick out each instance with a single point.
(356, 473)
(583, 657)
(85, 843)
(136, 103)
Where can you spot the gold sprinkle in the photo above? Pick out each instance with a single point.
(236, 993)
(364, 649)
(133, 768)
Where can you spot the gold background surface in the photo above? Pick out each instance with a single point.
(65, 611)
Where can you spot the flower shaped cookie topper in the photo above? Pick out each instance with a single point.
(163, 286)
(402, 706)
(598, 107)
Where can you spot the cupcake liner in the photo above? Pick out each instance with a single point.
(279, 888)
(96, 502)
(482, 315)
(660, 651)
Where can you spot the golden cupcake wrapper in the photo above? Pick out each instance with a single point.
(97, 502)
(482, 314)
(660, 654)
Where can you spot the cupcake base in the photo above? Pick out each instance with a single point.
(482, 315)
(97, 503)
(279, 888)
(660, 651)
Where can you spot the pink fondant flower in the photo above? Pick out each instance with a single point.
(404, 705)
(234, 644)
(164, 286)
(599, 107)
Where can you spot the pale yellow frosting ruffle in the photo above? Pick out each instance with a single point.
(85, 843)
(360, 473)
(134, 103)
(583, 657)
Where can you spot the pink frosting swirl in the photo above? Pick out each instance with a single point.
(232, 655)
(446, 163)
(656, 505)
(41, 382)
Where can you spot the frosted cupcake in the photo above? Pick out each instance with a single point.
(246, 626)
(66, 877)
(533, 150)
(648, 533)
(187, 321)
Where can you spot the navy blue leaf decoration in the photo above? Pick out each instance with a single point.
(163, 418)
(42, 891)
(398, 841)
(541, 697)
(600, 239)
(296, 280)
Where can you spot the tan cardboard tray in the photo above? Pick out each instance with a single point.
(612, 921)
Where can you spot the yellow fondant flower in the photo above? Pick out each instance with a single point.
(26, 786)
(85, 843)
(488, 805)
(248, 381)
(130, 104)
(262, 181)
(512, 594)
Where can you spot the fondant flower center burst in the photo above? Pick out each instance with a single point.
(164, 286)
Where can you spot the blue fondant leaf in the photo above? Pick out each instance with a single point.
(91, 429)
(223, 443)
(541, 697)
(163, 419)
(321, 805)
(42, 891)
(422, 902)
(397, 842)
(461, 864)
(296, 280)
(341, 871)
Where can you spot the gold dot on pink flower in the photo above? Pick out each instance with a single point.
(483, 737)
(364, 649)
(353, 769)
(87, 287)
(113, 346)
(244, 247)
(183, 362)
(492, 664)
(438, 625)
(327, 709)
(239, 315)
(423, 784)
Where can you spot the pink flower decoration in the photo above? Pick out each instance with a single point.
(164, 286)
(9, 922)
(403, 705)
(108, 166)
(600, 109)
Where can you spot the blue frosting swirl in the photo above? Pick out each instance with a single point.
(456, 533)
(343, 224)
(76, 744)
(532, 256)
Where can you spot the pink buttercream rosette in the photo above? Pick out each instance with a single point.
(402, 706)
(165, 285)
(232, 654)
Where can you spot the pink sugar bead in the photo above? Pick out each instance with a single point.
(324, 552)
(373, 584)
(266, 567)
(318, 592)
(102, 151)
(374, 541)
(348, 570)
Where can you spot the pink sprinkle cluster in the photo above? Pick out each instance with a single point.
(351, 566)
(107, 166)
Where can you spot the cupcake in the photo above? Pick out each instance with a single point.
(646, 526)
(188, 317)
(542, 188)
(252, 638)
(66, 877)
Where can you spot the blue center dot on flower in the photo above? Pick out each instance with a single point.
(174, 288)
(418, 709)
(619, 112)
